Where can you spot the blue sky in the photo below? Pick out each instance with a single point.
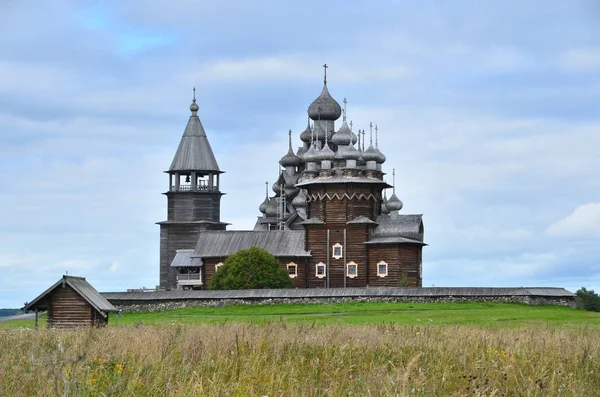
(488, 111)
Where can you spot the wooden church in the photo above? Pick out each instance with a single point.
(329, 222)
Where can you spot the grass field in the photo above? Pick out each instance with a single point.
(482, 314)
(314, 350)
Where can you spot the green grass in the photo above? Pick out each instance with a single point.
(480, 314)
(484, 314)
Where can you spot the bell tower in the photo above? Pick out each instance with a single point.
(193, 196)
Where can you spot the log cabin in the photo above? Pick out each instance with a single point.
(72, 303)
(329, 221)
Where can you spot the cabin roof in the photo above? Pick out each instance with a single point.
(183, 258)
(223, 243)
(408, 226)
(82, 287)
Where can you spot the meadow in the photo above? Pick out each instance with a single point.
(314, 350)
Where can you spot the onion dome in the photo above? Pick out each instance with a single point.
(311, 155)
(194, 106)
(394, 203)
(306, 135)
(325, 107)
(354, 138)
(271, 208)
(347, 153)
(325, 154)
(370, 154)
(343, 136)
(276, 186)
(380, 156)
(290, 159)
(300, 200)
(263, 207)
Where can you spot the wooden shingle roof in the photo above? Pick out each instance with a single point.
(79, 285)
(224, 242)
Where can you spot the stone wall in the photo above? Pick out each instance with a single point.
(159, 306)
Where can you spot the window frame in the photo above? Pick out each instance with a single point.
(351, 263)
(333, 248)
(218, 265)
(295, 267)
(320, 265)
(381, 274)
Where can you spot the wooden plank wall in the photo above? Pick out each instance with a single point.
(194, 206)
(69, 310)
(400, 259)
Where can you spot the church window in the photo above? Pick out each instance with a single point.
(218, 265)
(292, 269)
(337, 251)
(320, 270)
(351, 269)
(382, 269)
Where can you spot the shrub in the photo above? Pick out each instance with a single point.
(253, 268)
(588, 300)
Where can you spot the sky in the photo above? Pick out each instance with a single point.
(488, 112)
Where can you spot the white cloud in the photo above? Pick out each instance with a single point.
(583, 222)
(293, 68)
(580, 59)
(113, 267)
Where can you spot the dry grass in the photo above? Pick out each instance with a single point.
(278, 359)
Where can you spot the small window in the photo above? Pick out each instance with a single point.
(320, 270)
(218, 265)
(337, 251)
(292, 269)
(382, 269)
(351, 269)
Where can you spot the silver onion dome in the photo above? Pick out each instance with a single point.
(290, 159)
(325, 107)
(380, 156)
(394, 203)
(370, 154)
(343, 136)
(325, 153)
(300, 200)
(272, 208)
(311, 155)
(347, 153)
(263, 207)
(276, 186)
(306, 135)
(194, 106)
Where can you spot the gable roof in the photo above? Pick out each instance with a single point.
(223, 243)
(183, 258)
(83, 288)
(194, 152)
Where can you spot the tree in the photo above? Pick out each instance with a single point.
(588, 300)
(253, 268)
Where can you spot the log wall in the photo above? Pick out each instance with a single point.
(68, 309)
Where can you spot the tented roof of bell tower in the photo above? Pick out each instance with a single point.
(194, 152)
